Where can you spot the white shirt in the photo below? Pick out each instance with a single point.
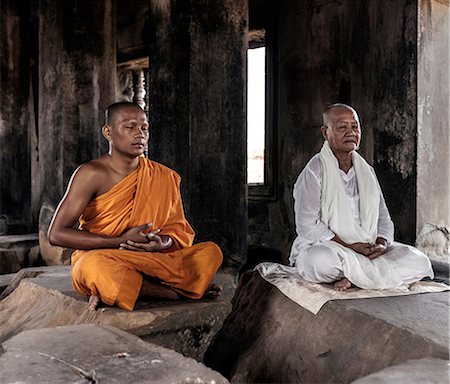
(307, 195)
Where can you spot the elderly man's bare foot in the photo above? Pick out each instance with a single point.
(94, 301)
(212, 292)
(342, 285)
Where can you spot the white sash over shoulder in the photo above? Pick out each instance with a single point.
(337, 215)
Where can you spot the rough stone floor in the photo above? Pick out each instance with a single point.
(38, 299)
(269, 338)
(90, 353)
(47, 334)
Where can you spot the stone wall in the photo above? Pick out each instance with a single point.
(57, 76)
(197, 113)
(16, 116)
(197, 52)
(77, 68)
(389, 88)
(433, 136)
(268, 338)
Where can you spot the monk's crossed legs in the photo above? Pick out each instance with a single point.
(116, 277)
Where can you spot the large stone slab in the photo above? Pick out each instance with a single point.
(269, 338)
(95, 354)
(43, 297)
(18, 251)
(26, 241)
(430, 371)
(13, 279)
(9, 260)
(5, 280)
(51, 254)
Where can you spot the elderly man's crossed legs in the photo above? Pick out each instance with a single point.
(321, 264)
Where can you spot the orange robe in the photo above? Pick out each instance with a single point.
(150, 194)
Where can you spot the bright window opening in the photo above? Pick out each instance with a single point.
(256, 114)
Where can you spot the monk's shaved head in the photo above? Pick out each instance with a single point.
(114, 110)
(329, 110)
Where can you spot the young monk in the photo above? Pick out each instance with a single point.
(133, 239)
(345, 232)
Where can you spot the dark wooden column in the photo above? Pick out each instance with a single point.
(197, 109)
(15, 158)
(77, 68)
(76, 83)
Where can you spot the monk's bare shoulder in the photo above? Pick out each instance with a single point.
(99, 166)
(95, 168)
(92, 176)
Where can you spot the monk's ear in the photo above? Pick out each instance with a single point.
(106, 131)
(323, 129)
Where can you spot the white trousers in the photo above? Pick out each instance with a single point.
(322, 264)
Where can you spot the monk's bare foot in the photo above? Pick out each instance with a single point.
(212, 292)
(342, 285)
(94, 301)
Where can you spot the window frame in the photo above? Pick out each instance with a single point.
(268, 190)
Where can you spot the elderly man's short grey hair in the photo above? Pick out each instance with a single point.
(327, 110)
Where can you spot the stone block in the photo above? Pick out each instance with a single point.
(51, 255)
(434, 241)
(43, 297)
(269, 338)
(9, 260)
(95, 354)
(18, 251)
(15, 279)
(5, 280)
(430, 371)
(28, 240)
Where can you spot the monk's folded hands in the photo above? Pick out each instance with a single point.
(153, 243)
(136, 234)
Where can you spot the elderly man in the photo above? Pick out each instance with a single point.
(344, 230)
(133, 239)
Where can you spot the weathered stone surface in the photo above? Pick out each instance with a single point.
(9, 260)
(77, 77)
(202, 134)
(269, 338)
(19, 241)
(17, 251)
(358, 52)
(430, 371)
(48, 300)
(16, 35)
(24, 273)
(85, 353)
(441, 270)
(5, 280)
(51, 255)
(434, 241)
(433, 118)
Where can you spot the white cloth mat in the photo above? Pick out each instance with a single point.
(313, 296)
